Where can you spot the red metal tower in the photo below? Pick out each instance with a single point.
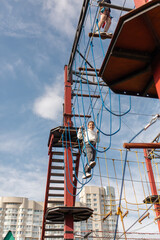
(59, 205)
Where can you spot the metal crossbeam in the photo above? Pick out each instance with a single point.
(104, 4)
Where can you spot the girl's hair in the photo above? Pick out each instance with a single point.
(90, 122)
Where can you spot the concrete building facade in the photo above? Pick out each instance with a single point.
(102, 201)
(22, 216)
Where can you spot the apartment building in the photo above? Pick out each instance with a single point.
(22, 216)
(102, 201)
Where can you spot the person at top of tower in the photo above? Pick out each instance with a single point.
(89, 136)
(105, 20)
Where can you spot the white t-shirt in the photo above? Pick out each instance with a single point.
(90, 134)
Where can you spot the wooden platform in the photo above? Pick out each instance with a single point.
(56, 214)
(152, 199)
(127, 66)
(102, 34)
(70, 133)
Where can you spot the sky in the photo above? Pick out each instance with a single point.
(35, 43)
(36, 38)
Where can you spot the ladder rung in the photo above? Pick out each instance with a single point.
(88, 69)
(86, 116)
(57, 167)
(56, 188)
(86, 95)
(56, 181)
(62, 153)
(77, 115)
(58, 153)
(55, 195)
(60, 160)
(78, 74)
(57, 174)
(68, 142)
(91, 83)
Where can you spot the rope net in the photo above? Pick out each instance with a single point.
(124, 173)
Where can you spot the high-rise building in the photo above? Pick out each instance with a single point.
(102, 201)
(22, 216)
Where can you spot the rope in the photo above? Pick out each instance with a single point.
(118, 115)
(111, 134)
(115, 176)
(141, 177)
(108, 182)
(139, 217)
(146, 179)
(101, 183)
(124, 168)
(133, 187)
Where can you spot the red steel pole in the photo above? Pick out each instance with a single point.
(139, 3)
(152, 184)
(156, 74)
(68, 175)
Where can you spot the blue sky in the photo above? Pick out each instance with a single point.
(36, 38)
(33, 55)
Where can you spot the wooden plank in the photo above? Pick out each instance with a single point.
(102, 34)
(88, 69)
(86, 95)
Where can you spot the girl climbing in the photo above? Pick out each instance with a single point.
(90, 138)
(105, 20)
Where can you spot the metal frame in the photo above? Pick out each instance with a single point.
(77, 35)
(152, 184)
(68, 175)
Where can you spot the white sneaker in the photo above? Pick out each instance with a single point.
(86, 175)
(92, 164)
(107, 33)
(97, 32)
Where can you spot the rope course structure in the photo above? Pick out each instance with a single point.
(89, 93)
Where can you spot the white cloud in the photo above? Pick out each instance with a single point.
(30, 183)
(15, 143)
(62, 15)
(49, 105)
